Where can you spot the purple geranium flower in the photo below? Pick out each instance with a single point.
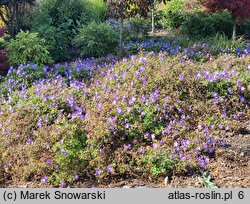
(63, 184)
(48, 161)
(127, 125)
(142, 151)
(127, 147)
(182, 78)
(76, 177)
(119, 111)
(44, 179)
(29, 140)
(110, 169)
(98, 172)
(155, 146)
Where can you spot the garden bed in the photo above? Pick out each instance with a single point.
(132, 121)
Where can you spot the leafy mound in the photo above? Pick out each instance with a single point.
(149, 114)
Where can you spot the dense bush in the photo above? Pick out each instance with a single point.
(28, 48)
(194, 22)
(173, 15)
(97, 10)
(58, 22)
(159, 19)
(244, 28)
(151, 115)
(199, 24)
(139, 27)
(96, 39)
(204, 25)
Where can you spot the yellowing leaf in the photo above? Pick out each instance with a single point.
(4, 154)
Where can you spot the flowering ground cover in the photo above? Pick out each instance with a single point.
(150, 115)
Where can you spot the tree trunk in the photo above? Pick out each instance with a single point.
(8, 18)
(234, 28)
(12, 24)
(153, 18)
(121, 38)
(17, 19)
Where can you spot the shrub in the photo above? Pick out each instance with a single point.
(200, 24)
(4, 65)
(27, 48)
(244, 28)
(97, 10)
(58, 21)
(57, 40)
(97, 39)
(173, 15)
(159, 19)
(139, 27)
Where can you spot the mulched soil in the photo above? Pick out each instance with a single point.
(230, 169)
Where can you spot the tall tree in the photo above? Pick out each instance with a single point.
(11, 12)
(240, 9)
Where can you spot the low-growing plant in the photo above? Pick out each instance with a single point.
(206, 180)
(151, 114)
(221, 42)
(158, 163)
(69, 152)
(215, 44)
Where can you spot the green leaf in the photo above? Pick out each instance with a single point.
(205, 181)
